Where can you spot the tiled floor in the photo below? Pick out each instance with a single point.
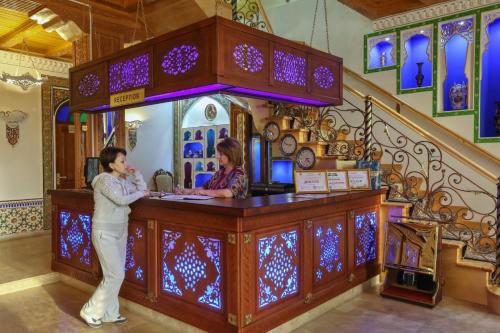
(24, 258)
(54, 308)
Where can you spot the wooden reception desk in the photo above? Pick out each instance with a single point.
(228, 265)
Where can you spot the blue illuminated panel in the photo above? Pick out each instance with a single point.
(130, 262)
(256, 160)
(74, 236)
(188, 276)
(417, 50)
(278, 267)
(282, 171)
(329, 252)
(201, 179)
(366, 237)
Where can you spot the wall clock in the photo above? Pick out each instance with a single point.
(306, 158)
(271, 131)
(288, 144)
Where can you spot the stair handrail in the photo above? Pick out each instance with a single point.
(430, 137)
(421, 115)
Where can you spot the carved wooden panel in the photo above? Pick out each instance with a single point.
(289, 68)
(325, 78)
(136, 261)
(365, 237)
(278, 273)
(329, 249)
(89, 87)
(74, 238)
(185, 61)
(191, 266)
(130, 71)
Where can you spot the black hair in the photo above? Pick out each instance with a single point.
(108, 155)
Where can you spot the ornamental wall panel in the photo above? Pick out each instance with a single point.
(136, 256)
(74, 239)
(89, 87)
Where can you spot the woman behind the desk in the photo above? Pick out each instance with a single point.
(230, 181)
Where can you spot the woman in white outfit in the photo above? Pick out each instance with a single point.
(114, 190)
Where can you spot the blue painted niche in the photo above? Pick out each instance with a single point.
(456, 57)
(383, 47)
(193, 150)
(490, 83)
(416, 50)
(201, 179)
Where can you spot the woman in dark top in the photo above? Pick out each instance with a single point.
(230, 181)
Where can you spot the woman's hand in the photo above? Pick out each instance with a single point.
(131, 169)
(178, 190)
(147, 193)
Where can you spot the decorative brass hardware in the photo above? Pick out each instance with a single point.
(351, 277)
(151, 224)
(231, 319)
(247, 238)
(152, 298)
(308, 298)
(351, 214)
(309, 224)
(248, 319)
(231, 238)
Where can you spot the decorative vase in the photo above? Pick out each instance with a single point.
(420, 76)
(382, 59)
(497, 118)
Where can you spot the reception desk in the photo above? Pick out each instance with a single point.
(228, 265)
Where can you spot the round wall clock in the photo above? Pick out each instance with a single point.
(210, 112)
(288, 144)
(271, 131)
(306, 158)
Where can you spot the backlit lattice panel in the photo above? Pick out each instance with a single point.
(74, 237)
(330, 260)
(289, 68)
(129, 74)
(278, 267)
(366, 238)
(192, 269)
(133, 267)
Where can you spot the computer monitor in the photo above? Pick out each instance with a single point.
(91, 170)
(282, 171)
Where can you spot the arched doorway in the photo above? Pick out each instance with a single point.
(64, 146)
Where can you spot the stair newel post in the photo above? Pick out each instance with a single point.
(368, 128)
(496, 277)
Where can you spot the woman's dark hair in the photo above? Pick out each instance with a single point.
(232, 149)
(108, 155)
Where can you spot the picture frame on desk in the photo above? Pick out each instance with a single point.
(359, 179)
(338, 181)
(310, 181)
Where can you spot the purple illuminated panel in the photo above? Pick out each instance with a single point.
(187, 92)
(289, 68)
(180, 59)
(323, 77)
(248, 58)
(265, 94)
(129, 74)
(89, 84)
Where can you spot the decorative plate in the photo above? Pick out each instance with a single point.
(306, 158)
(210, 112)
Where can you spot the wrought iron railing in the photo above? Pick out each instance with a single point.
(251, 13)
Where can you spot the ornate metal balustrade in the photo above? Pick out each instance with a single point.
(416, 171)
(249, 12)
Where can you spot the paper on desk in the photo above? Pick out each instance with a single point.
(186, 197)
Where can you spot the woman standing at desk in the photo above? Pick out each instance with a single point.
(230, 181)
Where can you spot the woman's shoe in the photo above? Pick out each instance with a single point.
(118, 320)
(92, 322)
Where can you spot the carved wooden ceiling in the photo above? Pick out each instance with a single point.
(16, 28)
(375, 9)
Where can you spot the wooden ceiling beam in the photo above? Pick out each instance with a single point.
(16, 35)
(64, 49)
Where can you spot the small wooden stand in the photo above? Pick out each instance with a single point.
(412, 263)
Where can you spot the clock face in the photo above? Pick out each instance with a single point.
(306, 158)
(271, 131)
(288, 145)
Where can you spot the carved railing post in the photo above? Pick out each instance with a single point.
(368, 137)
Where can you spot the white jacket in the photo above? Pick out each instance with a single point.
(111, 199)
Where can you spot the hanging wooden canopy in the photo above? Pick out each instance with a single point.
(214, 55)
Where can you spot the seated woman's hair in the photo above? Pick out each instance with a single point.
(232, 149)
(108, 155)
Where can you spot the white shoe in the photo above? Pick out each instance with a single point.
(118, 320)
(92, 322)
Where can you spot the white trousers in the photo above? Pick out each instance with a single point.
(110, 246)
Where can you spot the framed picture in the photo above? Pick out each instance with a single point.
(311, 182)
(359, 179)
(337, 180)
